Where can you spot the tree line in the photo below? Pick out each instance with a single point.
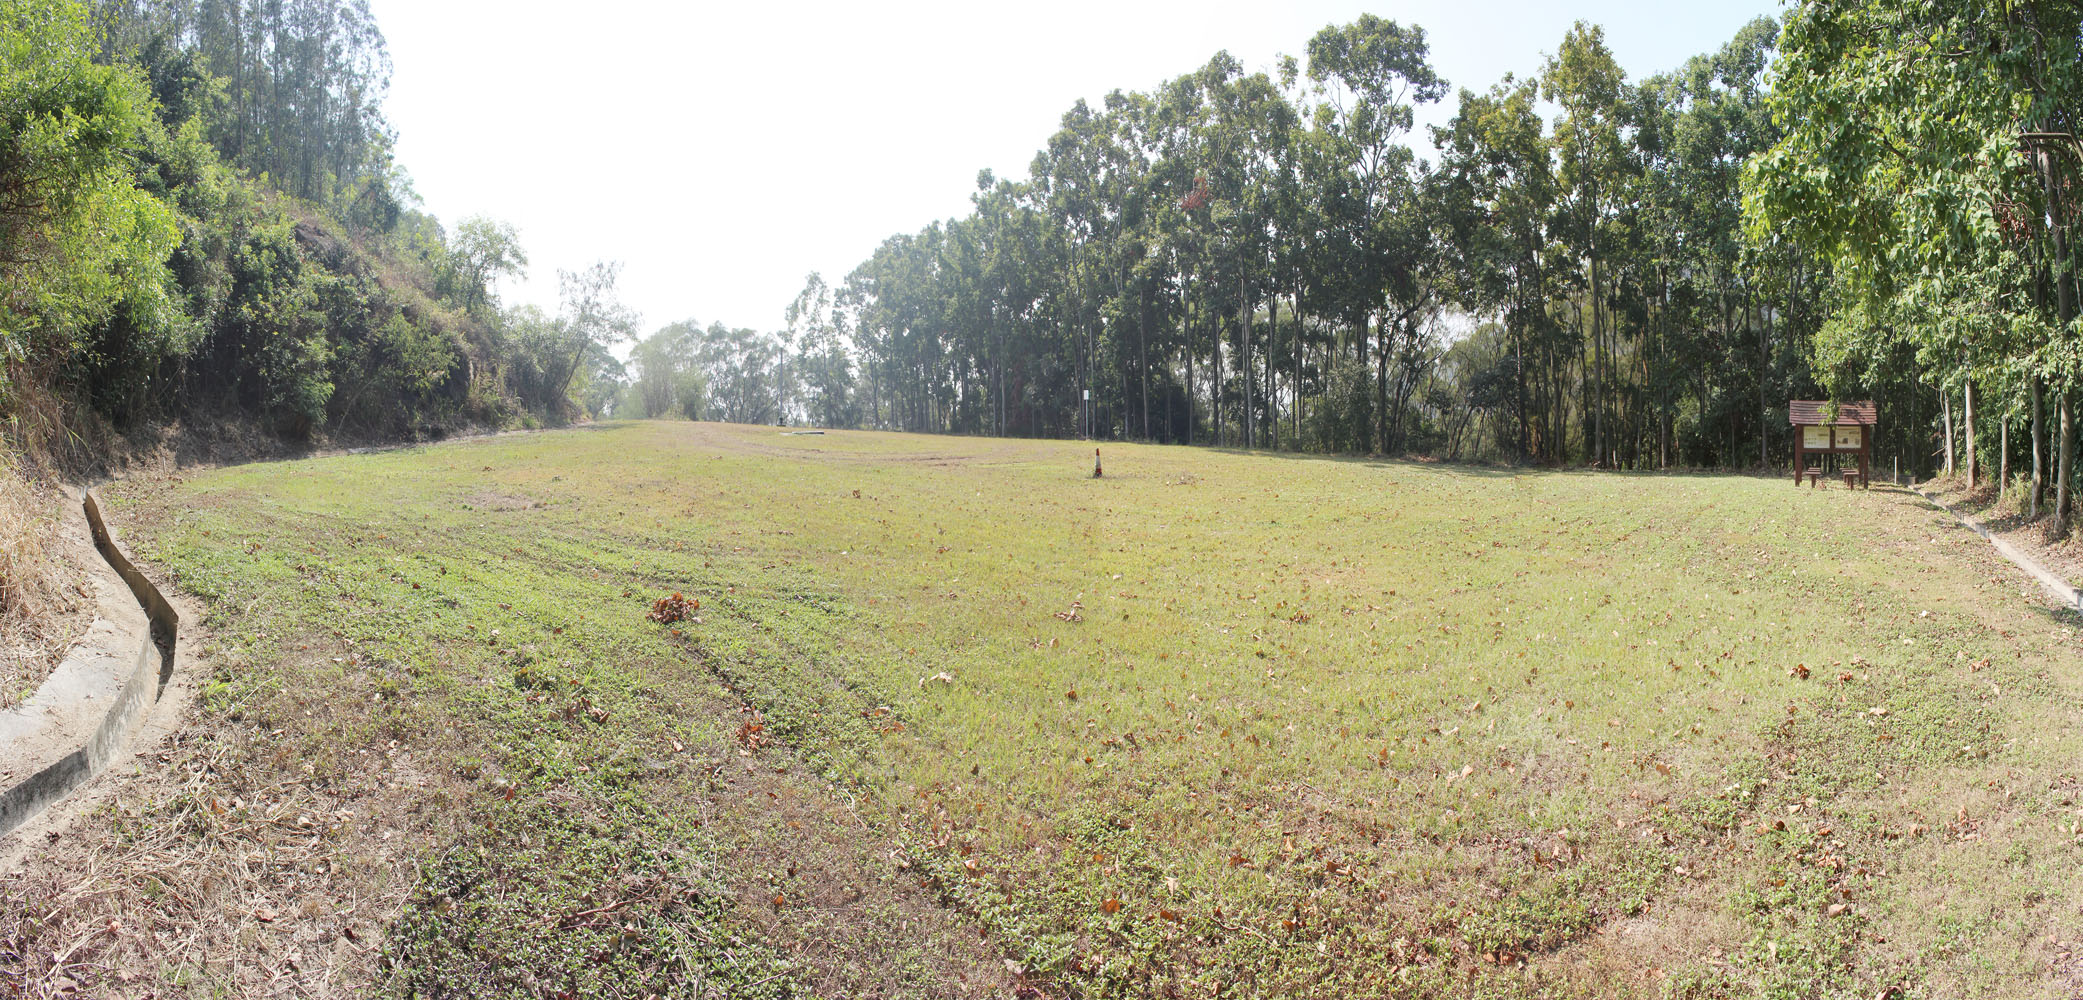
(200, 218)
(1264, 260)
(1874, 203)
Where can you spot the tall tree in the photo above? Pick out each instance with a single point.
(592, 317)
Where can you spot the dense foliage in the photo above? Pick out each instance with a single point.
(1946, 216)
(203, 222)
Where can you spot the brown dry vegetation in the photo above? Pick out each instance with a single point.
(40, 607)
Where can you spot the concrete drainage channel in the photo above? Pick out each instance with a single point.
(2056, 587)
(83, 714)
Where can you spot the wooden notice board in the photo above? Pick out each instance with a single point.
(1823, 429)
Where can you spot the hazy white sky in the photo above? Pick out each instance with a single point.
(723, 151)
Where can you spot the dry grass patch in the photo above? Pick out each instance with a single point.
(41, 607)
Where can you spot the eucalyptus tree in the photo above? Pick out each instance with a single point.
(1502, 190)
(822, 365)
(592, 317)
(1077, 177)
(1178, 224)
(1135, 254)
(1591, 163)
(1747, 294)
(1246, 130)
(1661, 239)
(1203, 254)
(740, 371)
(994, 296)
(666, 372)
(302, 82)
(1375, 73)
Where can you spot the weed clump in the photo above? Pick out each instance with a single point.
(669, 610)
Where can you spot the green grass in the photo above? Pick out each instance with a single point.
(1218, 724)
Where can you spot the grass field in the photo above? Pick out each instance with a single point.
(954, 718)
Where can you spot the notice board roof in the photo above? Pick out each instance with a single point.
(1809, 412)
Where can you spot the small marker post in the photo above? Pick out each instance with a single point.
(1095, 463)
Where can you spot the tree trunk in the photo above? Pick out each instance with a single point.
(2064, 466)
(2066, 310)
(1764, 399)
(1215, 339)
(1519, 380)
(1143, 366)
(2039, 475)
(1186, 318)
(2003, 457)
(1662, 376)
(1244, 362)
(1967, 429)
(1586, 357)
(1945, 409)
(1596, 398)
(1272, 369)
(1381, 380)
(1295, 413)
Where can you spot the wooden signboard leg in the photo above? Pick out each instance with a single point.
(1800, 454)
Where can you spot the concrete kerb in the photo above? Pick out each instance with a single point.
(60, 736)
(2056, 587)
